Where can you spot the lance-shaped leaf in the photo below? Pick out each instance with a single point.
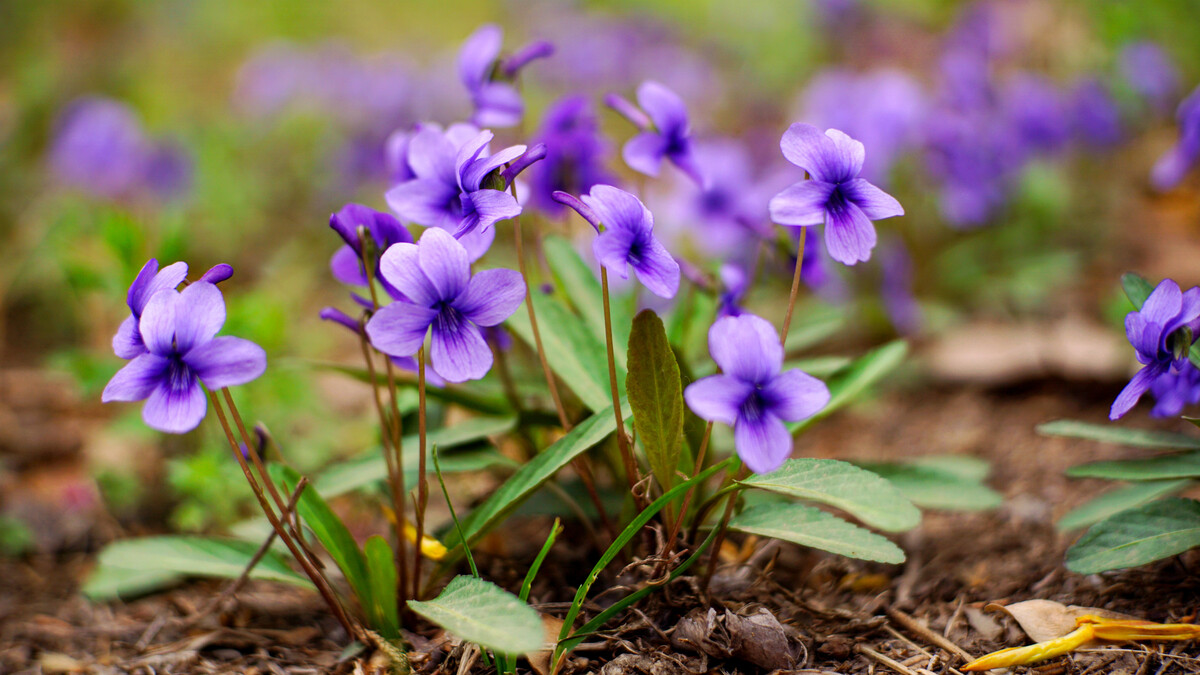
(1121, 499)
(1136, 288)
(133, 566)
(582, 289)
(1138, 536)
(655, 393)
(1185, 465)
(481, 612)
(381, 573)
(863, 494)
(1138, 438)
(810, 526)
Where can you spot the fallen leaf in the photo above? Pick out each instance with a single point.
(1044, 620)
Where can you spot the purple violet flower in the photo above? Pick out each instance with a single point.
(457, 187)
(384, 229)
(128, 343)
(625, 238)
(1157, 332)
(1149, 71)
(435, 277)
(183, 352)
(575, 153)
(734, 284)
(752, 394)
(1174, 389)
(835, 195)
(665, 131)
(1174, 165)
(896, 288)
(1095, 115)
(489, 81)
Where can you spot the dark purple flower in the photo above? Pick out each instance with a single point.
(665, 131)
(752, 394)
(449, 191)
(167, 171)
(384, 230)
(435, 277)
(1150, 72)
(1174, 389)
(835, 195)
(626, 238)
(128, 343)
(575, 153)
(489, 81)
(1161, 332)
(183, 352)
(734, 284)
(1174, 165)
(1038, 112)
(1095, 115)
(100, 147)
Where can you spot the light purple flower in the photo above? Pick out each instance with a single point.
(835, 195)
(489, 81)
(896, 288)
(752, 394)
(1174, 165)
(626, 238)
(734, 284)
(1095, 115)
(435, 277)
(665, 131)
(1038, 112)
(1174, 389)
(384, 230)
(183, 352)
(1157, 335)
(128, 343)
(448, 190)
(1149, 71)
(575, 153)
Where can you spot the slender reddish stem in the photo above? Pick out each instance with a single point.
(423, 483)
(631, 470)
(787, 319)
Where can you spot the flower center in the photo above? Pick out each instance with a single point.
(754, 407)
(449, 320)
(179, 376)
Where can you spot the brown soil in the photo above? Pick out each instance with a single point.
(772, 606)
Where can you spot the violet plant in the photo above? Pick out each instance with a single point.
(1143, 521)
(422, 304)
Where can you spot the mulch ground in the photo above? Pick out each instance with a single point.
(771, 608)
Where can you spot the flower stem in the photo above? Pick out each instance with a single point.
(395, 471)
(631, 471)
(310, 570)
(723, 527)
(787, 319)
(423, 483)
(533, 325)
(669, 546)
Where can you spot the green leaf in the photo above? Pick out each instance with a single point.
(1137, 289)
(330, 531)
(533, 473)
(582, 289)
(864, 372)
(931, 487)
(857, 491)
(1137, 536)
(1184, 465)
(813, 323)
(381, 572)
(810, 526)
(135, 566)
(1138, 438)
(574, 353)
(1116, 501)
(820, 366)
(655, 393)
(371, 466)
(481, 612)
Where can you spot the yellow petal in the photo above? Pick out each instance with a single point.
(430, 548)
(1017, 656)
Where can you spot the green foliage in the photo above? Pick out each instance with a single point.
(1116, 501)
(863, 494)
(481, 612)
(131, 567)
(854, 380)
(1164, 467)
(381, 574)
(15, 536)
(1138, 438)
(1136, 288)
(582, 289)
(809, 526)
(210, 487)
(526, 480)
(655, 393)
(575, 354)
(952, 483)
(1138, 536)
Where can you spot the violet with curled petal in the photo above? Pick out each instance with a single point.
(1157, 335)
(665, 132)
(489, 80)
(753, 394)
(128, 343)
(384, 230)
(183, 353)
(441, 294)
(626, 238)
(835, 196)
